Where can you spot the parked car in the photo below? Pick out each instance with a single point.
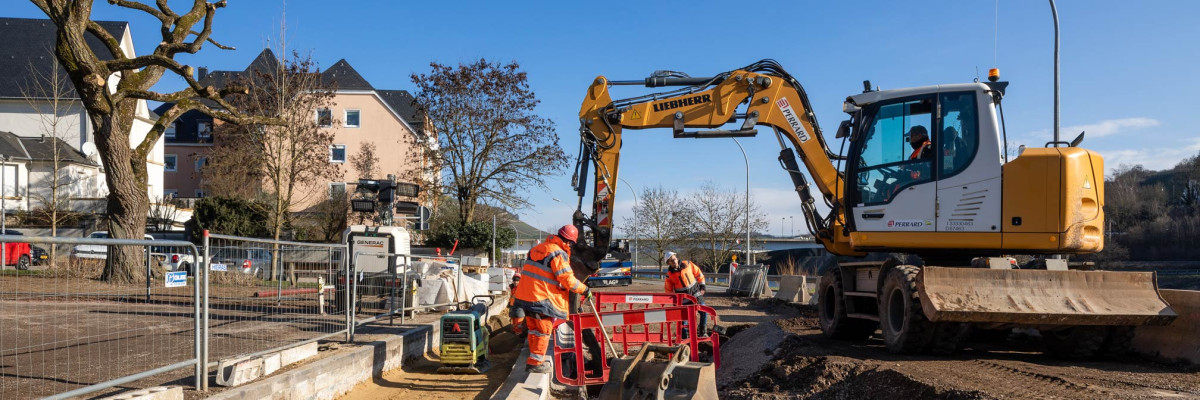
(97, 251)
(175, 258)
(244, 260)
(612, 276)
(19, 254)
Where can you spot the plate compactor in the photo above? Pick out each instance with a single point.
(465, 336)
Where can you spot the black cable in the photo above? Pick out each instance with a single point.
(1003, 130)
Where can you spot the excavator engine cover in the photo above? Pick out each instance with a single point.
(661, 373)
(1042, 297)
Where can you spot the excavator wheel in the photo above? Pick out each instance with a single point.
(1077, 342)
(834, 322)
(905, 328)
(1118, 343)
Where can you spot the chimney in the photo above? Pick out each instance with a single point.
(201, 73)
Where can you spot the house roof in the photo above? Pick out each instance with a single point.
(39, 149)
(344, 77)
(29, 43)
(406, 105)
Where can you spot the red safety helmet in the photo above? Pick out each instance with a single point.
(569, 233)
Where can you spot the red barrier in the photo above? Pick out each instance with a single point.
(631, 329)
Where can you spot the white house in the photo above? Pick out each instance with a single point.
(26, 57)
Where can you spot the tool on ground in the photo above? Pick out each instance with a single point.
(917, 173)
(465, 337)
(607, 341)
(660, 372)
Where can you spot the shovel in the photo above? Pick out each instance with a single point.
(604, 332)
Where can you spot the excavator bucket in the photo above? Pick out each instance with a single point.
(1042, 297)
(661, 373)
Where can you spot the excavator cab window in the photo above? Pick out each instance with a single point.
(885, 161)
(960, 131)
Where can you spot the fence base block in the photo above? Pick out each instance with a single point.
(154, 393)
(236, 372)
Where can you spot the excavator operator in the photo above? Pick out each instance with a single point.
(546, 279)
(918, 138)
(685, 277)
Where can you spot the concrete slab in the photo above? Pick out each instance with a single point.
(298, 353)
(154, 393)
(1179, 341)
(523, 385)
(271, 363)
(792, 288)
(239, 371)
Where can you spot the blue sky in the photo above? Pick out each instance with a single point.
(1121, 62)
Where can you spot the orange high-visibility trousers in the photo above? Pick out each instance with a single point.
(540, 329)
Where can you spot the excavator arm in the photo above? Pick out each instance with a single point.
(759, 94)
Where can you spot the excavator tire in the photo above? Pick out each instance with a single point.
(832, 305)
(1118, 343)
(905, 328)
(1075, 343)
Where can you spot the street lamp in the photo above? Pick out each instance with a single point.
(749, 256)
(792, 220)
(635, 225)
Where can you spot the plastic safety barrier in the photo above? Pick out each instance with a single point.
(630, 330)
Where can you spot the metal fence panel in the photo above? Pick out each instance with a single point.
(414, 283)
(65, 331)
(266, 295)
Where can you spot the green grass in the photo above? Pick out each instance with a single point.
(16, 272)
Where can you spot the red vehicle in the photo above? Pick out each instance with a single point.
(19, 254)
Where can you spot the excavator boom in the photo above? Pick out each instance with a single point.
(759, 94)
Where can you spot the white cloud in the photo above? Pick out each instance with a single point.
(1155, 158)
(1103, 128)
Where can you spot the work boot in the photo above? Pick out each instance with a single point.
(543, 368)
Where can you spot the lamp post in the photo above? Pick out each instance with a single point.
(749, 256)
(635, 226)
(792, 221)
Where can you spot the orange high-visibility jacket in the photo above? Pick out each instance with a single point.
(546, 278)
(687, 280)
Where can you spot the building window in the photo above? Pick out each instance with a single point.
(200, 163)
(170, 132)
(352, 118)
(200, 193)
(170, 162)
(324, 117)
(204, 130)
(337, 153)
(170, 193)
(337, 189)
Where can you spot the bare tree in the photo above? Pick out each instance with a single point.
(112, 110)
(287, 156)
(491, 144)
(365, 161)
(51, 97)
(663, 221)
(719, 222)
(163, 214)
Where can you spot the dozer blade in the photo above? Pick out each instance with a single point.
(1042, 297)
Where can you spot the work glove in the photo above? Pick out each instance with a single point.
(587, 294)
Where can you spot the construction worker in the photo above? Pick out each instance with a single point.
(542, 292)
(685, 277)
(918, 138)
(516, 313)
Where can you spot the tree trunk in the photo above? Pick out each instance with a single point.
(127, 199)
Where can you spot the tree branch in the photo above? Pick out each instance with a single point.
(142, 7)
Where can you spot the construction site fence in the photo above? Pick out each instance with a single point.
(70, 326)
(78, 322)
(631, 321)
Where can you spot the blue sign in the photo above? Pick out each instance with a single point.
(176, 279)
(219, 267)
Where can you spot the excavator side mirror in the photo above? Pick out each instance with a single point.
(843, 130)
(1078, 139)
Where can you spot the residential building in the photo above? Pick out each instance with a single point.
(29, 172)
(360, 114)
(27, 57)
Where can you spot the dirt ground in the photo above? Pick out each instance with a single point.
(808, 366)
(421, 379)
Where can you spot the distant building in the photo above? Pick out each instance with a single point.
(27, 55)
(362, 113)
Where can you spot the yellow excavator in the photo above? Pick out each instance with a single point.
(922, 171)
